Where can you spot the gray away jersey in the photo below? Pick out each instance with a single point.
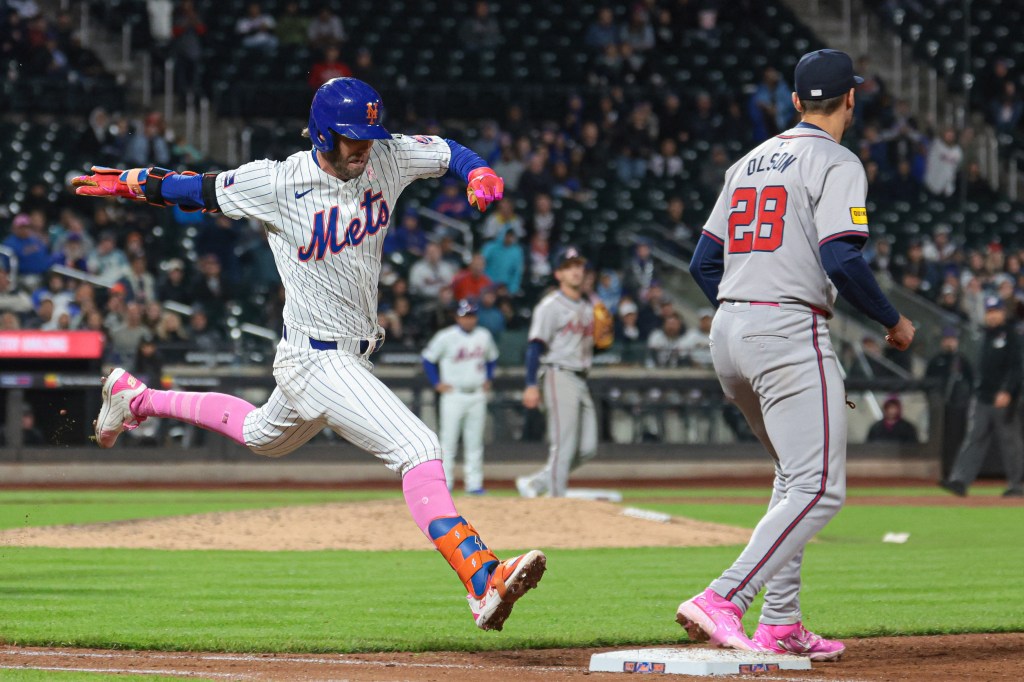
(327, 234)
(567, 329)
(780, 202)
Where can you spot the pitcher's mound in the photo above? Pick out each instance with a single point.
(504, 523)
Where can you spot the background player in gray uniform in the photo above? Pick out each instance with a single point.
(790, 213)
(561, 347)
(326, 211)
(460, 361)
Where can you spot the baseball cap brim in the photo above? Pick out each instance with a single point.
(364, 132)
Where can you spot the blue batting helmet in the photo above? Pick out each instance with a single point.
(349, 107)
(466, 307)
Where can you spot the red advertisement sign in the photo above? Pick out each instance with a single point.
(37, 344)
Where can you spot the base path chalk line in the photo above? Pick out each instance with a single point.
(277, 659)
(127, 671)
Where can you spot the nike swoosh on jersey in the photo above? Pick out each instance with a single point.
(299, 196)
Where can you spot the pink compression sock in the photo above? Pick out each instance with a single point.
(218, 412)
(426, 494)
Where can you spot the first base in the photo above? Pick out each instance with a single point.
(694, 661)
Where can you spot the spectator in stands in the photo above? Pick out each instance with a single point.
(914, 272)
(292, 26)
(675, 223)
(107, 261)
(638, 34)
(770, 107)
(364, 68)
(603, 32)
(481, 31)
(12, 299)
(471, 280)
(173, 286)
(703, 120)
(430, 274)
(978, 189)
(140, 286)
(28, 246)
(940, 248)
(869, 93)
(170, 330)
(43, 315)
(329, 67)
(902, 134)
(256, 29)
(892, 427)
(407, 237)
(488, 142)
(666, 163)
(697, 340)
(56, 290)
(943, 164)
(539, 260)
(326, 29)
(994, 414)
(95, 135)
(627, 330)
(72, 226)
(874, 148)
(211, 290)
(542, 221)
(187, 48)
(9, 321)
(1006, 111)
(125, 338)
(452, 201)
(672, 118)
(149, 145)
(640, 271)
(902, 185)
(152, 313)
(652, 303)
(954, 370)
(30, 433)
(635, 144)
(949, 301)
(536, 179)
(594, 159)
(712, 174)
(504, 218)
(504, 260)
(489, 316)
(665, 346)
(202, 336)
(116, 144)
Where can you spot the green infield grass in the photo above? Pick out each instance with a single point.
(960, 571)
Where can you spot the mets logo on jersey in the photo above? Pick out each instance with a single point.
(325, 233)
(372, 112)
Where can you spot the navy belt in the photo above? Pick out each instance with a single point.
(361, 346)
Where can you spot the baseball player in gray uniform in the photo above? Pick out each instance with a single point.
(559, 354)
(460, 361)
(326, 211)
(783, 238)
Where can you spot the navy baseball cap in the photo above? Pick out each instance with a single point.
(824, 74)
(569, 256)
(993, 303)
(466, 307)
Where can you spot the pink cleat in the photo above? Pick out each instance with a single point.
(710, 617)
(119, 388)
(796, 639)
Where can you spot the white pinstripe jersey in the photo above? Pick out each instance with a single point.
(327, 234)
(567, 329)
(780, 202)
(462, 358)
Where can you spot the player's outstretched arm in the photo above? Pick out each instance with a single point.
(483, 185)
(154, 185)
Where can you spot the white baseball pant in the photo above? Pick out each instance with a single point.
(335, 389)
(464, 413)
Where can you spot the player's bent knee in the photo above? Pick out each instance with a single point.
(269, 446)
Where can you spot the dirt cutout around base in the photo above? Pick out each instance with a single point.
(504, 523)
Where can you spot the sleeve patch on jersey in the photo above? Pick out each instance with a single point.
(859, 216)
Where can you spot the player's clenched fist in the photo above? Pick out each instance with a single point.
(531, 397)
(901, 335)
(485, 187)
(112, 182)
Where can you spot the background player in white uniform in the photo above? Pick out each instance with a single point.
(326, 211)
(460, 361)
(790, 213)
(561, 344)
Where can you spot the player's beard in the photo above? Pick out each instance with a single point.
(342, 165)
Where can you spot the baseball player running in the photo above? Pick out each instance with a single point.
(790, 218)
(562, 339)
(460, 362)
(326, 211)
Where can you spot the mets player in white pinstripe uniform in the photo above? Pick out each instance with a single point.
(785, 235)
(460, 361)
(326, 211)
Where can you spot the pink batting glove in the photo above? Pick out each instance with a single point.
(484, 188)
